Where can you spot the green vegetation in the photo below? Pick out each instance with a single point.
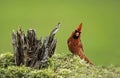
(59, 67)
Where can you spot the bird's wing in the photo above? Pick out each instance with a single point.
(81, 46)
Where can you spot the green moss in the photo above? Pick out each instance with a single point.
(59, 67)
(6, 59)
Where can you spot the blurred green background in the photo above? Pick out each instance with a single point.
(100, 18)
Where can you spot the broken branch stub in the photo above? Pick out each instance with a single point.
(32, 52)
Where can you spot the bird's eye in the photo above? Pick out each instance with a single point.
(76, 31)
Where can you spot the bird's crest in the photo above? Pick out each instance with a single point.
(79, 28)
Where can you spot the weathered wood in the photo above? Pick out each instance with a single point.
(32, 52)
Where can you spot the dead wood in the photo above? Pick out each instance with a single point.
(32, 52)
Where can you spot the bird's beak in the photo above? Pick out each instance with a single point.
(79, 28)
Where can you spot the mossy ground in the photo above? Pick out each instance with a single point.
(67, 66)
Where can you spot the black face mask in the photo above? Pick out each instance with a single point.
(76, 36)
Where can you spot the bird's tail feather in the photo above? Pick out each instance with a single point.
(86, 59)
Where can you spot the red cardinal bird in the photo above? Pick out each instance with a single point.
(75, 45)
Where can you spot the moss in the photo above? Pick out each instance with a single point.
(6, 59)
(67, 66)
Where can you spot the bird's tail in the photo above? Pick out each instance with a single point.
(86, 59)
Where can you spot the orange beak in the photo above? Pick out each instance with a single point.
(79, 28)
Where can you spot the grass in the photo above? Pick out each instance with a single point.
(59, 67)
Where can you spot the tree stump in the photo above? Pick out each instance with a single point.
(32, 52)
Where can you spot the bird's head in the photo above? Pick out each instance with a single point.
(77, 32)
